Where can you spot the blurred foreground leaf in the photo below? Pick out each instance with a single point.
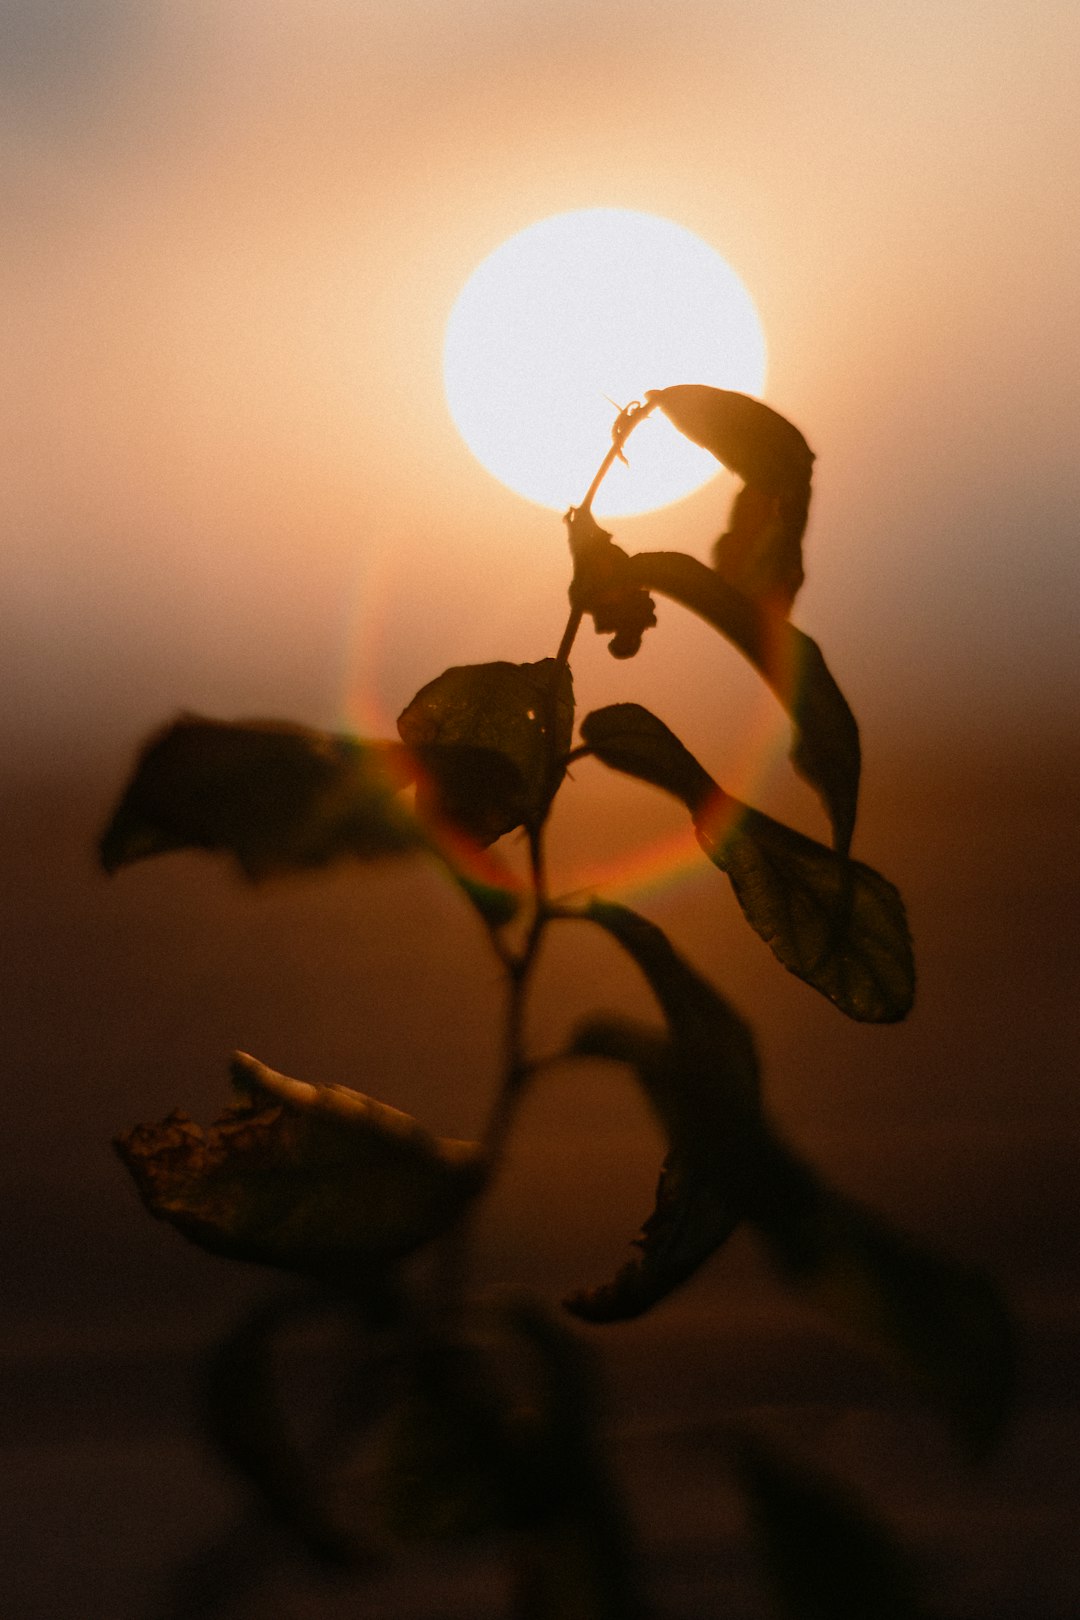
(248, 1422)
(702, 1082)
(479, 734)
(827, 1559)
(275, 796)
(939, 1319)
(833, 922)
(321, 1180)
(496, 1437)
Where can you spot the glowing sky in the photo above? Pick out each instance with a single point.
(232, 237)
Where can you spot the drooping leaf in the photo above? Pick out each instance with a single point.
(702, 1081)
(942, 1321)
(825, 738)
(484, 737)
(751, 439)
(602, 588)
(825, 1555)
(320, 1180)
(760, 552)
(833, 922)
(277, 797)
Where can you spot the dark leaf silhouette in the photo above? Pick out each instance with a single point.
(942, 1321)
(760, 552)
(751, 439)
(601, 585)
(833, 922)
(321, 1180)
(825, 739)
(826, 1557)
(275, 796)
(479, 734)
(702, 1081)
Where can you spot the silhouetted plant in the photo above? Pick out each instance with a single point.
(480, 1415)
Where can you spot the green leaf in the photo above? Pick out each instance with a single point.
(833, 922)
(320, 1180)
(752, 440)
(480, 736)
(825, 739)
(277, 797)
(702, 1082)
(826, 1556)
(942, 1321)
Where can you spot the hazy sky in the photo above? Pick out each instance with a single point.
(231, 237)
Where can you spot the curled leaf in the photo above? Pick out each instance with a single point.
(320, 1180)
(702, 1081)
(275, 796)
(760, 552)
(942, 1321)
(751, 439)
(833, 922)
(479, 734)
(825, 738)
(602, 587)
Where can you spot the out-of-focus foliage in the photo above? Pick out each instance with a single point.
(480, 1423)
(825, 1557)
(275, 796)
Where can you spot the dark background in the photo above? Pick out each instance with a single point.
(230, 245)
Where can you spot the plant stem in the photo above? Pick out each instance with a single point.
(625, 423)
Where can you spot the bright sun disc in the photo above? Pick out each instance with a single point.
(580, 310)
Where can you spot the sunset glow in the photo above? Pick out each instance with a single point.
(576, 316)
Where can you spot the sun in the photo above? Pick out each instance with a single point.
(571, 319)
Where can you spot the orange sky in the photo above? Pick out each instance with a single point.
(232, 234)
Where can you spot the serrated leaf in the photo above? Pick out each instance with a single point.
(833, 922)
(702, 1081)
(481, 736)
(941, 1320)
(751, 439)
(320, 1180)
(824, 1553)
(825, 738)
(277, 797)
